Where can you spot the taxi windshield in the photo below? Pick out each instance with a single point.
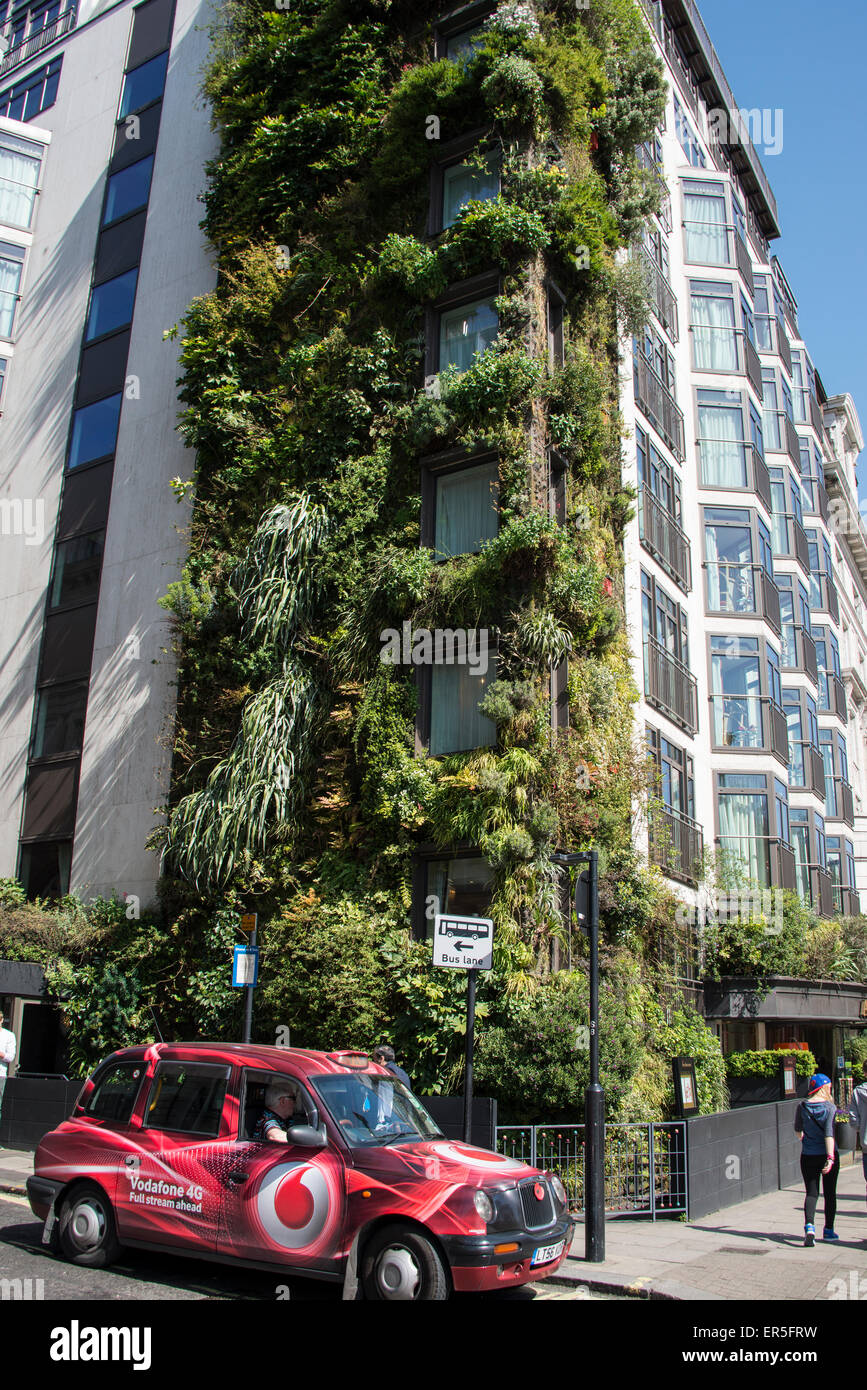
(371, 1109)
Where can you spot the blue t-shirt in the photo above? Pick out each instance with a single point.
(815, 1119)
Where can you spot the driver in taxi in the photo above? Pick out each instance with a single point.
(283, 1109)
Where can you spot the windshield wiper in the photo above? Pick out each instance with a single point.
(401, 1134)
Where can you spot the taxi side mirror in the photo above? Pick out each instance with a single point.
(306, 1137)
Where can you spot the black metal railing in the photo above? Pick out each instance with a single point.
(676, 843)
(664, 301)
(846, 900)
(839, 801)
(806, 768)
(29, 47)
(665, 539)
(816, 419)
(821, 890)
(799, 651)
(823, 596)
(753, 365)
(670, 685)
(660, 407)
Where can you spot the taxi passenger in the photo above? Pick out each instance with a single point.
(283, 1109)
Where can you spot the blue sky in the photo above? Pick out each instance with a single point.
(809, 60)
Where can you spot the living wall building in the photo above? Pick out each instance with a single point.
(746, 561)
(102, 145)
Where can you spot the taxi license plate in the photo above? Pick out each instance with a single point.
(546, 1253)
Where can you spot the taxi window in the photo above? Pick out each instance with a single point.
(187, 1096)
(114, 1093)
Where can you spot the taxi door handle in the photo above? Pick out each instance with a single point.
(237, 1178)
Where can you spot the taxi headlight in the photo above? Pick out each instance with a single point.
(559, 1190)
(483, 1205)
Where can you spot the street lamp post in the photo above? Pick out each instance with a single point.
(587, 908)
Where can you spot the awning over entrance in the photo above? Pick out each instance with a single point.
(778, 998)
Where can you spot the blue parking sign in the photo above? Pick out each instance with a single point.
(245, 966)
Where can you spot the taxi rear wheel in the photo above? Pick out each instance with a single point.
(402, 1265)
(87, 1231)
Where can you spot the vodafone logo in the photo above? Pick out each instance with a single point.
(294, 1205)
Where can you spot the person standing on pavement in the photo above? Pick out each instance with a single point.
(384, 1055)
(814, 1125)
(8, 1048)
(858, 1112)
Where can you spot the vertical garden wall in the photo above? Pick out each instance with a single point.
(327, 399)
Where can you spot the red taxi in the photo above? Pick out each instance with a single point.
(161, 1153)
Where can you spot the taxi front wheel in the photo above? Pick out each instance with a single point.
(87, 1230)
(402, 1265)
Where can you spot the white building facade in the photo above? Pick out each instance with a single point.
(103, 143)
(747, 561)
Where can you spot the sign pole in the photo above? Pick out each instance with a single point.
(594, 1100)
(468, 1072)
(248, 1007)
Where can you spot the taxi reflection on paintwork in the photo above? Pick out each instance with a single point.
(167, 1149)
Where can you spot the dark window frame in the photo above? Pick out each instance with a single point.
(456, 296)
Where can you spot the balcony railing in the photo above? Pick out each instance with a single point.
(806, 768)
(753, 367)
(816, 419)
(776, 864)
(798, 651)
(821, 890)
(646, 161)
(734, 463)
(676, 843)
(664, 302)
(731, 352)
(8, 305)
(846, 901)
(670, 685)
(744, 263)
(832, 696)
(23, 52)
(659, 406)
(839, 801)
(790, 539)
(783, 865)
(742, 589)
(664, 538)
(823, 596)
(750, 722)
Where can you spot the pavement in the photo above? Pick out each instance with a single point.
(751, 1251)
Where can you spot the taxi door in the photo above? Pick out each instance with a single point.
(282, 1203)
(169, 1191)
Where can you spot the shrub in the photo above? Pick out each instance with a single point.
(767, 1062)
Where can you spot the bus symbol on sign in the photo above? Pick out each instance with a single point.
(463, 943)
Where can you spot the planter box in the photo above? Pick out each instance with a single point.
(845, 1136)
(760, 1090)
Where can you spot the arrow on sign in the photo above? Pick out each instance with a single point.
(463, 945)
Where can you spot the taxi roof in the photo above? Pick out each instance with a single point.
(253, 1054)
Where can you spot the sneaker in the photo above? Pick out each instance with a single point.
(809, 1236)
(829, 1234)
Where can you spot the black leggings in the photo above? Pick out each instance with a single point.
(811, 1171)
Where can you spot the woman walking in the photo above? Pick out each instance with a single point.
(814, 1125)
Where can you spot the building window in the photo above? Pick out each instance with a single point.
(733, 536)
(832, 746)
(656, 352)
(812, 881)
(706, 223)
(111, 305)
(44, 868)
(745, 678)
(128, 190)
(794, 620)
(11, 268)
(745, 826)
(143, 85)
(803, 734)
(819, 551)
(456, 723)
(658, 475)
(60, 713)
(477, 180)
(3, 369)
(77, 565)
(462, 885)
(723, 449)
(787, 511)
(556, 316)
(32, 94)
(20, 162)
(465, 333)
(663, 619)
(687, 137)
(674, 780)
(465, 510)
(94, 431)
(828, 666)
(714, 334)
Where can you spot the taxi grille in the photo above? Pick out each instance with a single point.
(536, 1213)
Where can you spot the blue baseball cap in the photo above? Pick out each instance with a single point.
(817, 1082)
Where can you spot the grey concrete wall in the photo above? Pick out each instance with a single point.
(740, 1154)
